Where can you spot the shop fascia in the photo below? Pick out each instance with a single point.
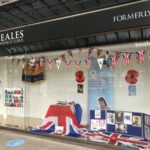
(10, 37)
(132, 16)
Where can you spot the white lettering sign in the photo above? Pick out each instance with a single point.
(132, 16)
(11, 37)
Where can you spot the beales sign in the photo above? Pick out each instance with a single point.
(12, 37)
(132, 16)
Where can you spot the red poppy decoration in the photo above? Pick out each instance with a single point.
(132, 76)
(79, 76)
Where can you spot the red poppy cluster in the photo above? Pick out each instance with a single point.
(132, 77)
(79, 76)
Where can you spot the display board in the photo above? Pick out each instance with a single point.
(146, 126)
(123, 122)
(14, 97)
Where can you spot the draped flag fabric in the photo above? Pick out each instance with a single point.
(61, 115)
(33, 71)
(100, 62)
(116, 139)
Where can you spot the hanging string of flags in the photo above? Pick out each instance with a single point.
(101, 55)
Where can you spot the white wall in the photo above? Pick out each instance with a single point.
(61, 85)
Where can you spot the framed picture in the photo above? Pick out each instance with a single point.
(80, 88)
(137, 121)
(121, 128)
(119, 117)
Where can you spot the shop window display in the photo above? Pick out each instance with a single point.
(73, 86)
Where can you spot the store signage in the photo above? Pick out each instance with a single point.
(12, 37)
(132, 16)
(136, 15)
(142, 44)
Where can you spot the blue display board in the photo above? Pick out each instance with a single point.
(146, 126)
(123, 122)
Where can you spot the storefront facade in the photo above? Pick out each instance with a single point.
(32, 84)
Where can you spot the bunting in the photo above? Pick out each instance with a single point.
(70, 53)
(37, 67)
(90, 51)
(63, 58)
(67, 64)
(18, 61)
(99, 51)
(88, 63)
(113, 58)
(41, 62)
(78, 63)
(58, 62)
(100, 62)
(118, 55)
(140, 56)
(49, 62)
(127, 58)
(107, 55)
(80, 50)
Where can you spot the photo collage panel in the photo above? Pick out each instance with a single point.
(14, 97)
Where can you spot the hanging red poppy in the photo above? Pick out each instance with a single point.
(79, 76)
(132, 76)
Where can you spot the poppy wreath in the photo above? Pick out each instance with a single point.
(132, 76)
(79, 76)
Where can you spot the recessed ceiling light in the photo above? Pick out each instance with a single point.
(5, 2)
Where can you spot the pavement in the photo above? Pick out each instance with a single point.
(33, 142)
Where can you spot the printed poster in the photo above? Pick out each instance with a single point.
(121, 128)
(100, 86)
(128, 118)
(97, 114)
(119, 117)
(137, 121)
(14, 97)
(132, 90)
(94, 124)
(102, 124)
(110, 118)
(147, 132)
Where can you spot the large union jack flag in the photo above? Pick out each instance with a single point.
(116, 139)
